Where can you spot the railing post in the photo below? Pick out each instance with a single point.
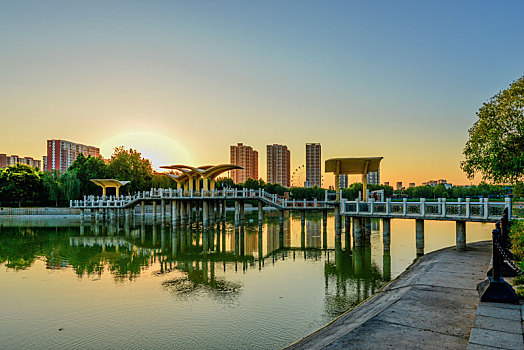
(507, 204)
(358, 205)
(372, 206)
(326, 196)
(404, 206)
(388, 206)
(315, 202)
(422, 206)
(443, 210)
(486, 208)
(468, 208)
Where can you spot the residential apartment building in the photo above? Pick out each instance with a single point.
(246, 157)
(313, 165)
(278, 165)
(374, 177)
(343, 181)
(6, 161)
(61, 154)
(399, 185)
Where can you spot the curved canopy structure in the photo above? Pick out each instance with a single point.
(111, 183)
(189, 173)
(352, 166)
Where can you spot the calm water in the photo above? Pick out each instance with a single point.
(143, 286)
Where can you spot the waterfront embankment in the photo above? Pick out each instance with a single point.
(432, 305)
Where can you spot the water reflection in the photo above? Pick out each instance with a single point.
(194, 261)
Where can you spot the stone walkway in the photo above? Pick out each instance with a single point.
(433, 305)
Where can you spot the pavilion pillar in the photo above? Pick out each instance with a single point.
(419, 227)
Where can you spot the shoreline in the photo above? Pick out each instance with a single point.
(381, 322)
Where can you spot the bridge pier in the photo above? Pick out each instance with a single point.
(189, 211)
(163, 211)
(367, 227)
(338, 221)
(205, 213)
(260, 212)
(347, 232)
(174, 213)
(386, 234)
(154, 211)
(357, 232)
(461, 235)
(237, 212)
(242, 213)
(183, 216)
(419, 227)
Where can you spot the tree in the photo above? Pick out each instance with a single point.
(52, 186)
(128, 165)
(495, 148)
(87, 168)
(20, 183)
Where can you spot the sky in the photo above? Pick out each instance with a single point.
(181, 81)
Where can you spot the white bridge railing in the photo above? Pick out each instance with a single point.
(111, 202)
(440, 209)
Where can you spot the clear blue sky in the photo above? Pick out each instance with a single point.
(397, 79)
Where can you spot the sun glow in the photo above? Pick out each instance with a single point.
(158, 148)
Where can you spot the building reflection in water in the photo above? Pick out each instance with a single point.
(125, 249)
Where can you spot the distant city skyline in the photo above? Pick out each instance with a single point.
(180, 82)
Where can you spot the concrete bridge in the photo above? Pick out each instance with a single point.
(184, 206)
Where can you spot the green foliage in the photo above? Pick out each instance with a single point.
(495, 148)
(129, 165)
(517, 238)
(85, 169)
(52, 186)
(20, 183)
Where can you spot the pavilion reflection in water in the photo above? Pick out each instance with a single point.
(126, 249)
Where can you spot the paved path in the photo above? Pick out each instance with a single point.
(432, 305)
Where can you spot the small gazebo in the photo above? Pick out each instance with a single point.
(109, 183)
(353, 166)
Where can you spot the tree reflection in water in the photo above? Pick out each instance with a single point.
(126, 249)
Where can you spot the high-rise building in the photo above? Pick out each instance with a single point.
(411, 184)
(246, 157)
(343, 181)
(386, 183)
(313, 165)
(278, 165)
(399, 185)
(61, 154)
(374, 177)
(6, 161)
